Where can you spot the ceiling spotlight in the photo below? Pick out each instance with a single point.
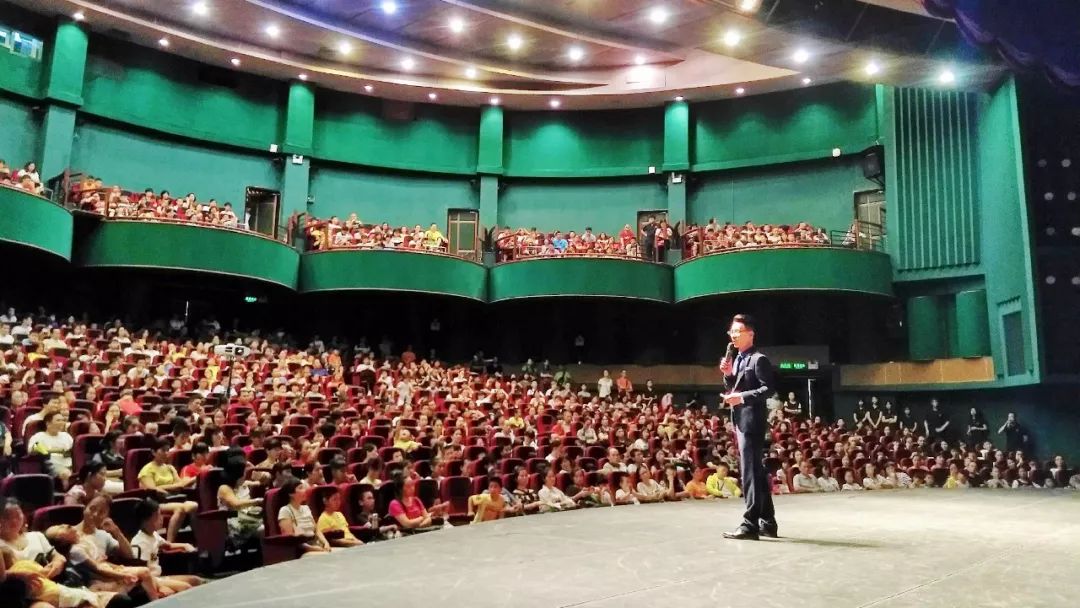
(457, 25)
(368, 88)
(388, 6)
(408, 63)
(639, 59)
(872, 68)
(302, 77)
(273, 31)
(200, 9)
(836, 152)
(514, 41)
(344, 47)
(806, 81)
(732, 37)
(946, 76)
(163, 42)
(79, 16)
(749, 6)
(740, 91)
(801, 56)
(494, 101)
(658, 15)
(555, 103)
(235, 62)
(576, 53)
(679, 98)
(470, 72)
(432, 96)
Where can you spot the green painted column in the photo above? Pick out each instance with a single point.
(926, 333)
(294, 187)
(57, 133)
(677, 136)
(66, 64)
(489, 201)
(972, 324)
(490, 155)
(299, 119)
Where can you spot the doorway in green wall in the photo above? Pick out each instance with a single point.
(463, 233)
(261, 210)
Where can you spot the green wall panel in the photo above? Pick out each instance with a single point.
(676, 136)
(606, 205)
(926, 328)
(972, 324)
(19, 136)
(397, 198)
(820, 269)
(137, 160)
(584, 144)
(30, 220)
(299, 119)
(66, 64)
(141, 244)
(935, 192)
(783, 127)
(352, 270)
(353, 129)
(19, 74)
(819, 192)
(582, 277)
(490, 158)
(158, 91)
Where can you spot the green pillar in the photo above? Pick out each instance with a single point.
(489, 201)
(66, 64)
(294, 187)
(972, 324)
(925, 328)
(57, 132)
(677, 136)
(299, 119)
(490, 155)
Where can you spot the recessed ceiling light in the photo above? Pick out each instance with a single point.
(235, 62)
(200, 8)
(302, 76)
(554, 103)
(806, 81)
(732, 37)
(576, 53)
(494, 101)
(368, 88)
(749, 5)
(388, 6)
(872, 68)
(801, 56)
(163, 42)
(408, 63)
(79, 16)
(639, 59)
(740, 91)
(679, 98)
(432, 96)
(946, 76)
(658, 15)
(344, 47)
(457, 25)
(514, 41)
(470, 72)
(273, 31)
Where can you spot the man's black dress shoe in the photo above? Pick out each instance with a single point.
(741, 534)
(770, 531)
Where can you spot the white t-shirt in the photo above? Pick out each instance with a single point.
(94, 547)
(828, 484)
(147, 547)
(302, 520)
(851, 487)
(622, 495)
(652, 489)
(59, 447)
(36, 545)
(603, 387)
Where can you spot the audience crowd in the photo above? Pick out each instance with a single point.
(714, 237)
(353, 234)
(169, 454)
(90, 194)
(526, 243)
(27, 178)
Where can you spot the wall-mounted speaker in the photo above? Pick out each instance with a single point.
(873, 163)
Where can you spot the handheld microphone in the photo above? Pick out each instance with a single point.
(732, 352)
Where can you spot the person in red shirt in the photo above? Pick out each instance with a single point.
(127, 403)
(200, 461)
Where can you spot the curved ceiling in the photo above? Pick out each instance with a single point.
(584, 53)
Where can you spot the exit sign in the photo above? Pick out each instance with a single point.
(795, 366)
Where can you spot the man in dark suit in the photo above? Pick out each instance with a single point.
(749, 379)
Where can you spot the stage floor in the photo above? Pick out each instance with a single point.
(919, 548)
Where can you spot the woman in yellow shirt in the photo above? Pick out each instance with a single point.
(159, 475)
(333, 520)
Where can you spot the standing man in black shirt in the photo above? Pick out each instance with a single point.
(648, 239)
(936, 424)
(1013, 433)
